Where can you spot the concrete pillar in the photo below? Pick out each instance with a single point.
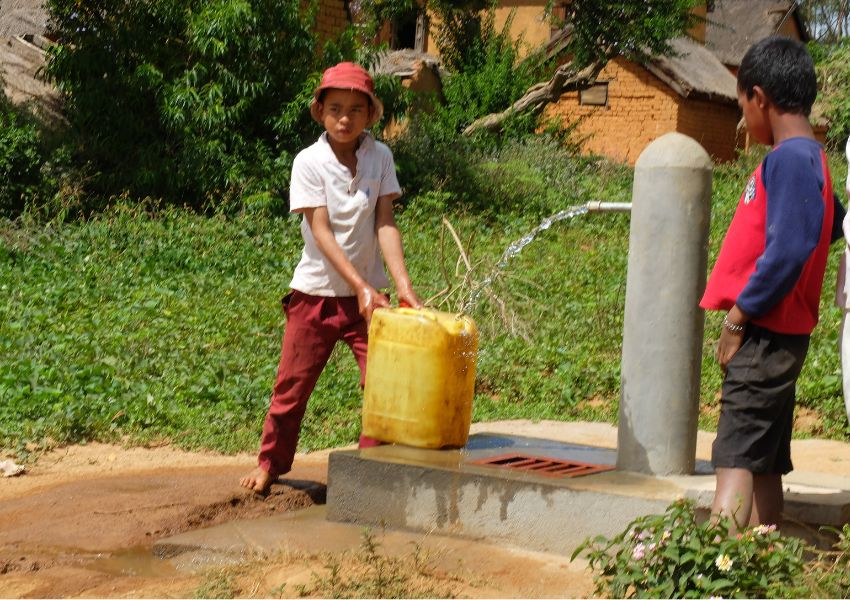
(663, 329)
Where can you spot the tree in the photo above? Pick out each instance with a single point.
(191, 101)
(20, 156)
(829, 24)
(593, 33)
(829, 20)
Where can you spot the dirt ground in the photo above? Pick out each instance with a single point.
(73, 523)
(81, 522)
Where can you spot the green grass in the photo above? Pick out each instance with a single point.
(142, 327)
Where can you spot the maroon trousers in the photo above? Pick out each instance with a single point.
(314, 324)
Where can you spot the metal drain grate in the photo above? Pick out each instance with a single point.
(550, 467)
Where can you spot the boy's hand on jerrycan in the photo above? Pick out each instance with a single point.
(407, 298)
(368, 299)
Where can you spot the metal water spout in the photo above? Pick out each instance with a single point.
(599, 206)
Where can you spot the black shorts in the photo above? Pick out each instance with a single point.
(757, 403)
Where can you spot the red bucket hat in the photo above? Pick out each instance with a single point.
(348, 76)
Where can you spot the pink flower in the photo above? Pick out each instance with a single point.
(639, 552)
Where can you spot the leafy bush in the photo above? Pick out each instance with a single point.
(20, 156)
(833, 67)
(674, 556)
(140, 323)
(496, 178)
(432, 154)
(828, 573)
(193, 101)
(487, 74)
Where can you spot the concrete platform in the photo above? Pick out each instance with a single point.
(446, 492)
(418, 494)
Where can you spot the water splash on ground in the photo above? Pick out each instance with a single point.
(515, 248)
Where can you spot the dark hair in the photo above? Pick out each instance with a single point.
(783, 68)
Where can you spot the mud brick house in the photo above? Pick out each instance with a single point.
(691, 92)
(333, 17)
(632, 104)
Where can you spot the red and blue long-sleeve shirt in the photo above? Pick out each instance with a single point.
(772, 261)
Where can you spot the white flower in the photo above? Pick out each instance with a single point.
(723, 562)
(764, 529)
(639, 552)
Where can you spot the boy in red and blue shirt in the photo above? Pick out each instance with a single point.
(768, 277)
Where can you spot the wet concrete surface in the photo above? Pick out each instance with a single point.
(443, 492)
(451, 493)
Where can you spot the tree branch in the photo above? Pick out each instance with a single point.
(565, 79)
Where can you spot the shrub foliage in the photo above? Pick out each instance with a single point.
(677, 555)
(189, 100)
(833, 66)
(20, 156)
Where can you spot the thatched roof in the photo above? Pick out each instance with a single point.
(735, 25)
(21, 80)
(403, 63)
(694, 72)
(22, 17)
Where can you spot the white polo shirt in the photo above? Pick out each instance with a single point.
(319, 179)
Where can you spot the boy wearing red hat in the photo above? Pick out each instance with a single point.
(344, 185)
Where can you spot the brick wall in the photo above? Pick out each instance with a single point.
(332, 18)
(640, 109)
(711, 124)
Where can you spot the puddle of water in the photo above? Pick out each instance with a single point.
(133, 562)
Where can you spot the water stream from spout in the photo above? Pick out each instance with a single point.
(515, 248)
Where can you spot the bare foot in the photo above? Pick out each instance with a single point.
(258, 480)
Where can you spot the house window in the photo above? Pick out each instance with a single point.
(595, 95)
(409, 30)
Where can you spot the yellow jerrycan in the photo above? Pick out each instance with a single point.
(420, 377)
